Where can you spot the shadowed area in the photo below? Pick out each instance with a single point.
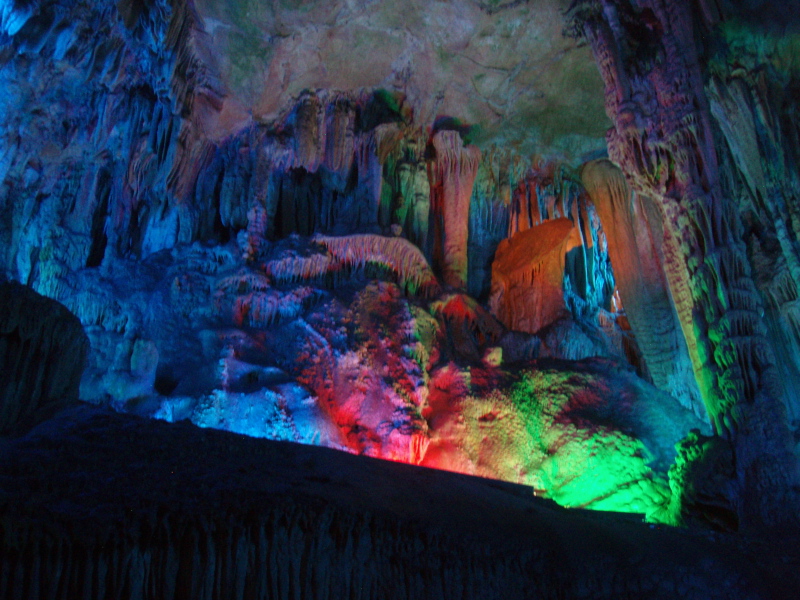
(177, 511)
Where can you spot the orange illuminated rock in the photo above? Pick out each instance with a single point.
(528, 273)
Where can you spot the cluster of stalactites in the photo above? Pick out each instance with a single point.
(551, 190)
(762, 174)
(127, 87)
(338, 164)
(664, 140)
(354, 253)
(332, 130)
(335, 163)
(452, 174)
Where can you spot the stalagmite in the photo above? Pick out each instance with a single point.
(452, 174)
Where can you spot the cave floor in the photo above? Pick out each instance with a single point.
(108, 483)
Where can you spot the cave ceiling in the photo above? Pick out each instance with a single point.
(504, 67)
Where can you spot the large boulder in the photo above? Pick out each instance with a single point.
(42, 353)
(586, 434)
(528, 275)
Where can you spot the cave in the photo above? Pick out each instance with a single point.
(366, 299)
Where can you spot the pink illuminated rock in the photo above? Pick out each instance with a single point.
(375, 387)
(452, 174)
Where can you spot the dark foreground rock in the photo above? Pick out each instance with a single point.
(95, 504)
(42, 354)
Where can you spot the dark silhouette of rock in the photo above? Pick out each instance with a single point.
(42, 354)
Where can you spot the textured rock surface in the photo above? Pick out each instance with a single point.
(42, 354)
(585, 434)
(452, 174)
(502, 65)
(303, 343)
(635, 235)
(528, 275)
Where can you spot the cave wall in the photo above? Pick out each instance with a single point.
(176, 158)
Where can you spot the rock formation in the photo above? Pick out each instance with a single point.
(180, 511)
(451, 175)
(42, 354)
(663, 139)
(528, 273)
(633, 248)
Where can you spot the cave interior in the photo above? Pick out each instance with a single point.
(359, 299)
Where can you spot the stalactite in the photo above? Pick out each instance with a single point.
(406, 189)
(367, 195)
(499, 172)
(340, 123)
(744, 112)
(452, 174)
(309, 133)
(398, 254)
(639, 277)
(663, 139)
